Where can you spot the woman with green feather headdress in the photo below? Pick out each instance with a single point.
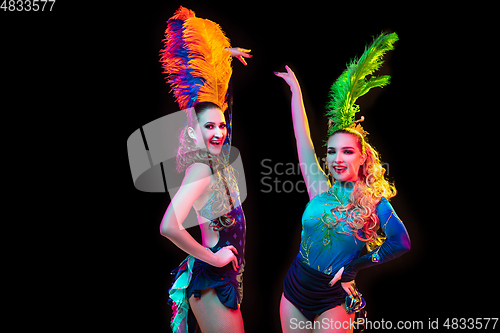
(342, 218)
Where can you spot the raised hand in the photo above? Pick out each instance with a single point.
(290, 78)
(240, 53)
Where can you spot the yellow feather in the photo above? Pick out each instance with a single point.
(206, 43)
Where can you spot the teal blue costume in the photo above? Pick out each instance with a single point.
(326, 247)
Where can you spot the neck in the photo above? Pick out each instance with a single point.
(345, 183)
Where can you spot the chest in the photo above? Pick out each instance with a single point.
(326, 210)
(328, 219)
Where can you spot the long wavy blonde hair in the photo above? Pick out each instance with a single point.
(225, 177)
(370, 188)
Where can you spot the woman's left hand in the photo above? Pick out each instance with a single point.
(240, 53)
(337, 277)
(347, 286)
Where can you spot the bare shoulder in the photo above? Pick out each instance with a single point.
(198, 172)
(197, 181)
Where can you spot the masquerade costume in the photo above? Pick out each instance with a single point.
(328, 239)
(197, 60)
(324, 249)
(193, 275)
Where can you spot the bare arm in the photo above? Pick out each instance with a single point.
(314, 177)
(195, 182)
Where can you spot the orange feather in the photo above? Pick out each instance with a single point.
(206, 44)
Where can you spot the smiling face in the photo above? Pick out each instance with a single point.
(210, 132)
(344, 156)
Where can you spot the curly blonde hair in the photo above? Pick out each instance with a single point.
(370, 188)
(225, 175)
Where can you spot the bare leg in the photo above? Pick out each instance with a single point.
(292, 320)
(213, 316)
(335, 320)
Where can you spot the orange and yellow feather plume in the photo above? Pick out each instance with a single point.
(196, 59)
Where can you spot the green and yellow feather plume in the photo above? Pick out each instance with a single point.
(356, 81)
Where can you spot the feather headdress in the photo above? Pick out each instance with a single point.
(354, 83)
(197, 59)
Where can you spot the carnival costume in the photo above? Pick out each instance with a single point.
(197, 59)
(328, 239)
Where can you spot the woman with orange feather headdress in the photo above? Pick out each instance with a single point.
(208, 283)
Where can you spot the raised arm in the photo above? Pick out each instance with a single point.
(195, 182)
(314, 177)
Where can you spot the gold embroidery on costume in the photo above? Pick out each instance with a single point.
(304, 250)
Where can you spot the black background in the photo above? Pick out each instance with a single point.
(82, 78)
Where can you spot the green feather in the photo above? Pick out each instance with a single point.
(354, 82)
